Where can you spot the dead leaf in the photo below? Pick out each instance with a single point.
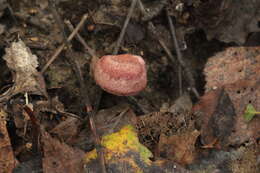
(242, 93)
(67, 130)
(180, 147)
(231, 65)
(124, 153)
(237, 70)
(216, 116)
(175, 119)
(59, 157)
(109, 120)
(7, 159)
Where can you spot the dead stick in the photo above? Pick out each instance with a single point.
(122, 33)
(180, 58)
(81, 40)
(99, 148)
(63, 45)
(91, 113)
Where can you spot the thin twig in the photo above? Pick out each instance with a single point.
(83, 89)
(152, 29)
(168, 52)
(81, 40)
(100, 151)
(187, 70)
(122, 33)
(36, 132)
(172, 58)
(63, 45)
(180, 80)
(119, 41)
(141, 7)
(91, 113)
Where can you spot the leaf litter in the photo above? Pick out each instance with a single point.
(164, 131)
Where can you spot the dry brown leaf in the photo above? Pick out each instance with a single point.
(26, 77)
(242, 93)
(237, 70)
(231, 65)
(216, 117)
(67, 130)
(179, 148)
(7, 159)
(124, 153)
(167, 122)
(59, 157)
(109, 120)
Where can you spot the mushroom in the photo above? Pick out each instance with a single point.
(122, 75)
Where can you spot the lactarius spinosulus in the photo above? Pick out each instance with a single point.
(122, 75)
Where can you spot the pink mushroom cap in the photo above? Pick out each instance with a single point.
(122, 75)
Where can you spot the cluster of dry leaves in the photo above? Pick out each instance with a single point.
(216, 121)
(209, 136)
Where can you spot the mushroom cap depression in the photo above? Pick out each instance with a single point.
(122, 75)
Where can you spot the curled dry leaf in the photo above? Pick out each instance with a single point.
(26, 77)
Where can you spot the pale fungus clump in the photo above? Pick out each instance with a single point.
(122, 75)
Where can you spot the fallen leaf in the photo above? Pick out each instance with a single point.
(179, 148)
(231, 65)
(216, 117)
(120, 149)
(242, 93)
(237, 69)
(124, 153)
(7, 159)
(59, 157)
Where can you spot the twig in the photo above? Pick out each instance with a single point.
(180, 80)
(98, 143)
(122, 33)
(91, 113)
(168, 52)
(132, 100)
(152, 29)
(63, 45)
(83, 89)
(36, 132)
(81, 40)
(187, 71)
(141, 7)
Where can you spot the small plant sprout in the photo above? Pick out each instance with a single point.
(250, 112)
